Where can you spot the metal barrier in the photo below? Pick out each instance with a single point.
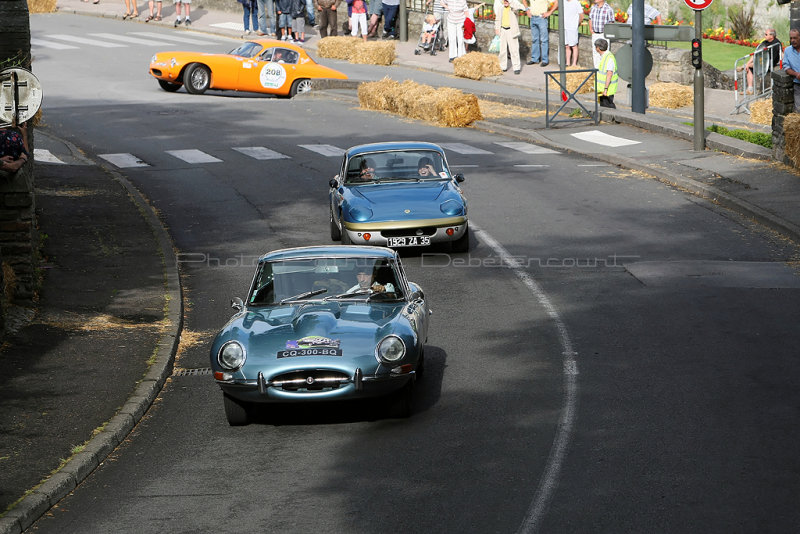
(762, 77)
(567, 96)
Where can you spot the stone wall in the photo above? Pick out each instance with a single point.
(782, 105)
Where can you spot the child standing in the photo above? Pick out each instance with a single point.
(299, 20)
(358, 17)
(187, 6)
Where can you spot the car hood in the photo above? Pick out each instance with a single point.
(399, 201)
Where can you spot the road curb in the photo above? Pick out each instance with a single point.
(58, 485)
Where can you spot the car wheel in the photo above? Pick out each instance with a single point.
(237, 412)
(462, 243)
(346, 238)
(336, 234)
(197, 79)
(421, 365)
(300, 86)
(169, 86)
(401, 403)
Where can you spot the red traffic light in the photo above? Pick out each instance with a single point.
(695, 43)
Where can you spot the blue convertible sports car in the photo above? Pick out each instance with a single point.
(320, 324)
(398, 194)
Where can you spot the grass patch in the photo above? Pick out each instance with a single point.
(719, 55)
(757, 138)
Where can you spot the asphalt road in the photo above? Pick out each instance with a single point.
(678, 390)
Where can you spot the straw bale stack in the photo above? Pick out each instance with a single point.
(671, 95)
(339, 47)
(791, 133)
(445, 106)
(41, 6)
(476, 65)
(374, 53)
(761, 112)
(574, 79)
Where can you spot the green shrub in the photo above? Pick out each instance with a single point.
(757, 138)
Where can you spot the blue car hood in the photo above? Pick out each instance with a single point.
(401, 201)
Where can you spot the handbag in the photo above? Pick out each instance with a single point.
(494, 46)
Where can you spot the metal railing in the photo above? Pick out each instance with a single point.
(762, 68)
(568, 96)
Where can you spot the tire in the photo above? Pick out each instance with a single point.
(196, 78)
(401, 403)
(303, 85)
(169, 86)
(462, 243)
(336, 233)
(237, 412)
(421, 365)
(346, 238)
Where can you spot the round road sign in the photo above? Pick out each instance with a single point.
(697, 5)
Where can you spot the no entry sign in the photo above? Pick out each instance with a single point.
(698, 4)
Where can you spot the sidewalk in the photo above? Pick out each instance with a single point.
(56, 392)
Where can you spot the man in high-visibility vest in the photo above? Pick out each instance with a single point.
(606, 75)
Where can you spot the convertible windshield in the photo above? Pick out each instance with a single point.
(397, 165)
(248, 49)
(281, 282)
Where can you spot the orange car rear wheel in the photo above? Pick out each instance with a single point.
(303, 85)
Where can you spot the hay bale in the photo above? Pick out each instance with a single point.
(41, 6)
(445, 106)
(374, 53)
(761, 112)
(671, 95)
(574, 79)
(339, 47)
(476, 65)
(791, 134)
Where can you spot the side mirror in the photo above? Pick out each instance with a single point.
(417, 295)
(459, 177)
(334, 183)
(237, 304)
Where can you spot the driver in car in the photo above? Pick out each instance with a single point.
(425, 167)
(366, 282)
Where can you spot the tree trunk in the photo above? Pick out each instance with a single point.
(15, 38)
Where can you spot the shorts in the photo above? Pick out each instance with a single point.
(299, 25)
(181, 1)
(284, 20)
(375, 8)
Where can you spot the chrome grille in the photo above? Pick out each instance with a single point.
(311, 380)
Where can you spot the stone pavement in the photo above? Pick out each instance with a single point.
(124, 309)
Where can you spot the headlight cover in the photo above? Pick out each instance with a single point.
(231, 355)
(391, 349)
(452, 207)
(360, 213)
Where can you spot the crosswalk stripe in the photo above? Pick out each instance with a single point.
(129, 39)
(49, 44)
(260, 152)
(172, 38)
(124, 161)
(83, 40)
(324, 150)
(527, 148)
(235, 26)
(461, 148)
(193, 155)
(42, 155)
(602, 138)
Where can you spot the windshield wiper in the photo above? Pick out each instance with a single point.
(359, 293)
(304, 295)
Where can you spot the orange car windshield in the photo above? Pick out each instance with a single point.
(248, 50)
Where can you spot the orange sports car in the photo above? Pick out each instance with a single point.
(260, 66)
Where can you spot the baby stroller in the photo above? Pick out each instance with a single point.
(433, 24)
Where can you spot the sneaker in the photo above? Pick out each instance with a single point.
(545, 63)
(516, 71)
(177, 23)
(749, 90)
(301, 40)
(188, 21)
(531, 62)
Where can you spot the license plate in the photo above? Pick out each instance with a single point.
(411, 241)
(318, 351)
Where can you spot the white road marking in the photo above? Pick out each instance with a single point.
(527, 148)
(602, 138)
(84, 40)
(235, 26)
(566, 422)
(123, 161)
(192, 155)
(464, 166)
(49, 44)
(595, 165)
(324, 150)
(128, 39)
(530, 165)
(462, 148)
(176, 38)
(260, 152)
(42, 155)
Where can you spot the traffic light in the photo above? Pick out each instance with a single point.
(697, 54)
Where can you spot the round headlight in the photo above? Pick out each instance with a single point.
(231, 355)
(391, 349)
(154, 58)
(452, 207)
(360, 214)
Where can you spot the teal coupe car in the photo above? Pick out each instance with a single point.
(323, 324)
(399, 194)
